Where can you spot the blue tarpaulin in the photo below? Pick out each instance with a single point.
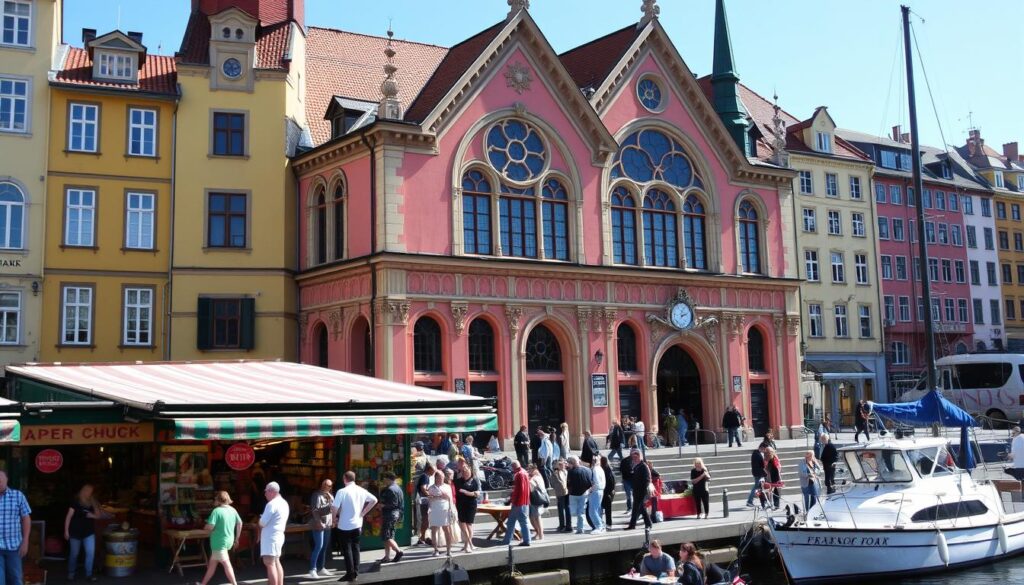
(930, 409)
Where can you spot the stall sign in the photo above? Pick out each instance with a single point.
(49, 460)
(87, 434)
(599, 389)
(240, 456)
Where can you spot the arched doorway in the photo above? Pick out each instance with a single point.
(320, 345)
(679, 385)
(545, 379)
(361, 348)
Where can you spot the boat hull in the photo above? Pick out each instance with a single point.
(813, 556)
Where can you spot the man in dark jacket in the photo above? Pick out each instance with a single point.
(579, 482)
(522, 444)
(640, 480)
(535, 444)
(829, 456)
(731, 422)
(626, 475)
(757, 470)
(615, 440)
(590, 450)
(860, 421)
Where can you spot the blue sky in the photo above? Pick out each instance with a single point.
(846, 55)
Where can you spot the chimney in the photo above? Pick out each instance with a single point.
(88, 34)
(135, 36)
(895, 133)
(1011, 152)
(905, 138)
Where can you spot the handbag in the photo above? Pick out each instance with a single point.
(539, 497)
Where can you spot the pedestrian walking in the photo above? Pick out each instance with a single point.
(609, 492)
(538, 502)
(773, 474)
(626, 475)
(829, 457)
(272, 524)
(559, 482)
(422, 502)
(545, 452)
(810, 479)
(590, 451)
(683, 427)
(562, 440)
(594, 496)
(640, 482)
(769, 440)
(700, 476)
(351, 504)
(440, 513)
(467, 488)
(861, 421)
(732, 420)
(615, 440)
(392, 506)
(640, 432)
(580, 481)
(321, 523)
(15, 528)
(521, 442)
(758, 471)
(225, 528)
(80, 531)
(469, 453)
(519, 504)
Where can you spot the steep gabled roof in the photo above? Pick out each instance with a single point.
(157, 76)
(454, 65)
(271, 44)
(591, 63)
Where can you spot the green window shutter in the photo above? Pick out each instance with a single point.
(204, 319)
(248, 333)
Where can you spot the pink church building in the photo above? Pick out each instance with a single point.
(581, 236)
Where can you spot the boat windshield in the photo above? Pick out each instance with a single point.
(878, 466)
(932, 461)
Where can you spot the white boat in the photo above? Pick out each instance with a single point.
(906, 510)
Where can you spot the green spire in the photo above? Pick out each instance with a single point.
(724, 83)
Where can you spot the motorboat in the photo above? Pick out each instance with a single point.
(907, 508)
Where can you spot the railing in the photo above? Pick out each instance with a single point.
(993, 423)
(696, 439)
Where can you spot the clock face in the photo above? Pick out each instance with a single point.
(232, 68)
(681, 316)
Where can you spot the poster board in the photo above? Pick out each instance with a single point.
(186, 486)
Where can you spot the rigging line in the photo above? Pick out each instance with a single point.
(888, 93)
(928, 85)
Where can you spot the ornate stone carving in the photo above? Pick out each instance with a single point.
(516, 6)
(514, 316)
(793, 325)
(710, 326)
(610, 315)
(583, 315)
(734, 322)
(303, 326)
(399, 311)
(658, 328)
(779, 155)
(335, 319)
(651, 11)
(459, 311)
(779, 322)
(518, 77)
(380, 311)
(519, 108)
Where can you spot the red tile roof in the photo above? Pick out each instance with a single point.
(271, 44)
(590, 64)
(158, 75)
(351, 65)
(451, 68)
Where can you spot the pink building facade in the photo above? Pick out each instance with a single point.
(521, 225)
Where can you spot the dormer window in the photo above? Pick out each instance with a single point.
(1020, 182)
(889, 159)
(345, 121)
(823, 141)
(999, 179)
(116, 66)
(947, 173)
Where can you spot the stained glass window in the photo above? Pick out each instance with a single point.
(542, 351)
(556, 220)
(515, 150)
(750, 249)
(476, 213)
(623, 226)
(651, 155)
(649, 93)
(693, 233)
(660, 243)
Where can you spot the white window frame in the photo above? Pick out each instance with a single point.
(810, 217)
(864, 319)
(74, 308)
(831, 185)
(806, 183)
(904, 309)
(842, 320)
(950, 310)
(886, 262)
(838, 262)
(895, 194)
(889, 306)
(962, 312)
(959, 271)
(900, 354)
(17, 17)
(883, 228)
(897, 262)
(138, 214)
(855, 192)
(11, 97)
(78, 212)
(979, 311)
(860, 264)
(78, 121)
(896, 221)
(812, 268)
(835, 222)
(116, 65)
(144, 128)
(133, 326)
(967, 204)
(955, 235)
(814, 321)
(1020, 182)
(998, 175)
(823, 141)
(9, 313)
(8, 211)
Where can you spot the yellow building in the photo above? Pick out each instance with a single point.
(108, 206)
(1004, 172)
(232, 283)
(29, 45)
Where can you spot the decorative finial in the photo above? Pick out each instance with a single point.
(651, 11)
(779, 155)
(389, 108)
(516, 6)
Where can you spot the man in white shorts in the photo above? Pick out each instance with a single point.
(272, 525)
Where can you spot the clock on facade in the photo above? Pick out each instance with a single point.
(680, 315)
(232, 68)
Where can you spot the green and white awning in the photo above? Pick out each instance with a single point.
(201, 429)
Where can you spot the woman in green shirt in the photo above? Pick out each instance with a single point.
(224, 526)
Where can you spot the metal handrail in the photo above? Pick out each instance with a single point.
(696, 438)
(984, 418)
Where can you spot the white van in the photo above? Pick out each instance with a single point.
(989, 384)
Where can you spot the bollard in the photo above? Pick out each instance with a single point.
(725, 503)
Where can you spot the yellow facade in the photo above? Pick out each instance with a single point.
(108, 218)
(1008, 211)
(23, 145)
(258, 267)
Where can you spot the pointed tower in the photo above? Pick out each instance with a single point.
(725, 83)
(389, 108)
(779, 155)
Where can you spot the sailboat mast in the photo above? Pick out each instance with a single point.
(915, 154)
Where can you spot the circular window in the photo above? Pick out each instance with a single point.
(232, 68)
(516, 150)
(649, 93)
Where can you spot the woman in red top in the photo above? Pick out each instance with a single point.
(773, 474)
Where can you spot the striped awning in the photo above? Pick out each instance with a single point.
(201, 429)
(10, 431)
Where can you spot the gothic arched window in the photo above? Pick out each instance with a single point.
(623, 226)
(694, 242)
(750, 238)
(321, 228)
(556, 220)
(660, 244)
(476, 213)
(543, 353)
(339, 221)
(481, 346)
(426, 345)
(755, 350)
(626, 349)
